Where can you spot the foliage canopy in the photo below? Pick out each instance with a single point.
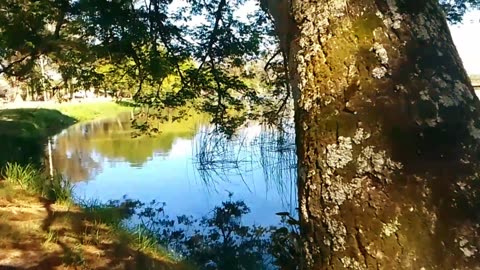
(169, 52)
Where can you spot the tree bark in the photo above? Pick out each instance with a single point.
(387, 135)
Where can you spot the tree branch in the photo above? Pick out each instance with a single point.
(5, 68)
(213, 35)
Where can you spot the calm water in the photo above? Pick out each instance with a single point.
(186, 166)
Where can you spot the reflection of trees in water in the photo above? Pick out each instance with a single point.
(270, 150)
(80, 150)
(78, 166)
(24, 151)
(71, 155)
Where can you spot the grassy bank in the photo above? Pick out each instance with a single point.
(25, 130)
(40, 227)
(41, 230)
(45, 121)
(23, 133)
(90, 111)
(33, 123)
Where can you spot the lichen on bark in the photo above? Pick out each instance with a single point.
(384, 116)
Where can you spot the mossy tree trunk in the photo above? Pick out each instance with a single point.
(388, 135)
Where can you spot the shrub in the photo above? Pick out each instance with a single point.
(55, 188)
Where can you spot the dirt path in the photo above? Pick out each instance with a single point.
(35, 234)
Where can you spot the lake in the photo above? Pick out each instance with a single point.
(187, 166)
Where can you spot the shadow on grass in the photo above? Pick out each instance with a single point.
(68, 238)
(12, 263)
(88, 240)
(23, 133)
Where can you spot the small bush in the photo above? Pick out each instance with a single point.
(58, 189)
(144, 239)
(54, 188)
(25, 176)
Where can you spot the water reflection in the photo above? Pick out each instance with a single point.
(256, 153)
(187, 166)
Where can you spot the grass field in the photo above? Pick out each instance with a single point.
(90, 111)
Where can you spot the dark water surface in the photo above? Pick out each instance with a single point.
(186, 166)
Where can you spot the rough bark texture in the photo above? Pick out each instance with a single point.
(387, 135)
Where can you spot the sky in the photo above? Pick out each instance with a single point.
(466, 37)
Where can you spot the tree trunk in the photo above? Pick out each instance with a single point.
(70, 89)
(387, 135)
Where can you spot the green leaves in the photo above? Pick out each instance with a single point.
(455, 9)
(163, 53)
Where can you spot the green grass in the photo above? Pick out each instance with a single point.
(59, 189)
(25, 176)
(90, 111)
(145, 240)
(108, 214)
(113, 215)
(33, 123)
(24, 131)
(74, 228)
(54, 188)
(44, 122)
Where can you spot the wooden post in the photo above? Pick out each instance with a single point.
(50, 159)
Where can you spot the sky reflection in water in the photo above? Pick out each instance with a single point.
(186, 167)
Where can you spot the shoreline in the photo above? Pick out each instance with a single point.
(24, 131)
(54, 233)
(64, 235)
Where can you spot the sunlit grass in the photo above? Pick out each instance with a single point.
(25, 176)
(54, 188)
(92, 110)
(51, 237)
(47, 121)
(24, 131)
